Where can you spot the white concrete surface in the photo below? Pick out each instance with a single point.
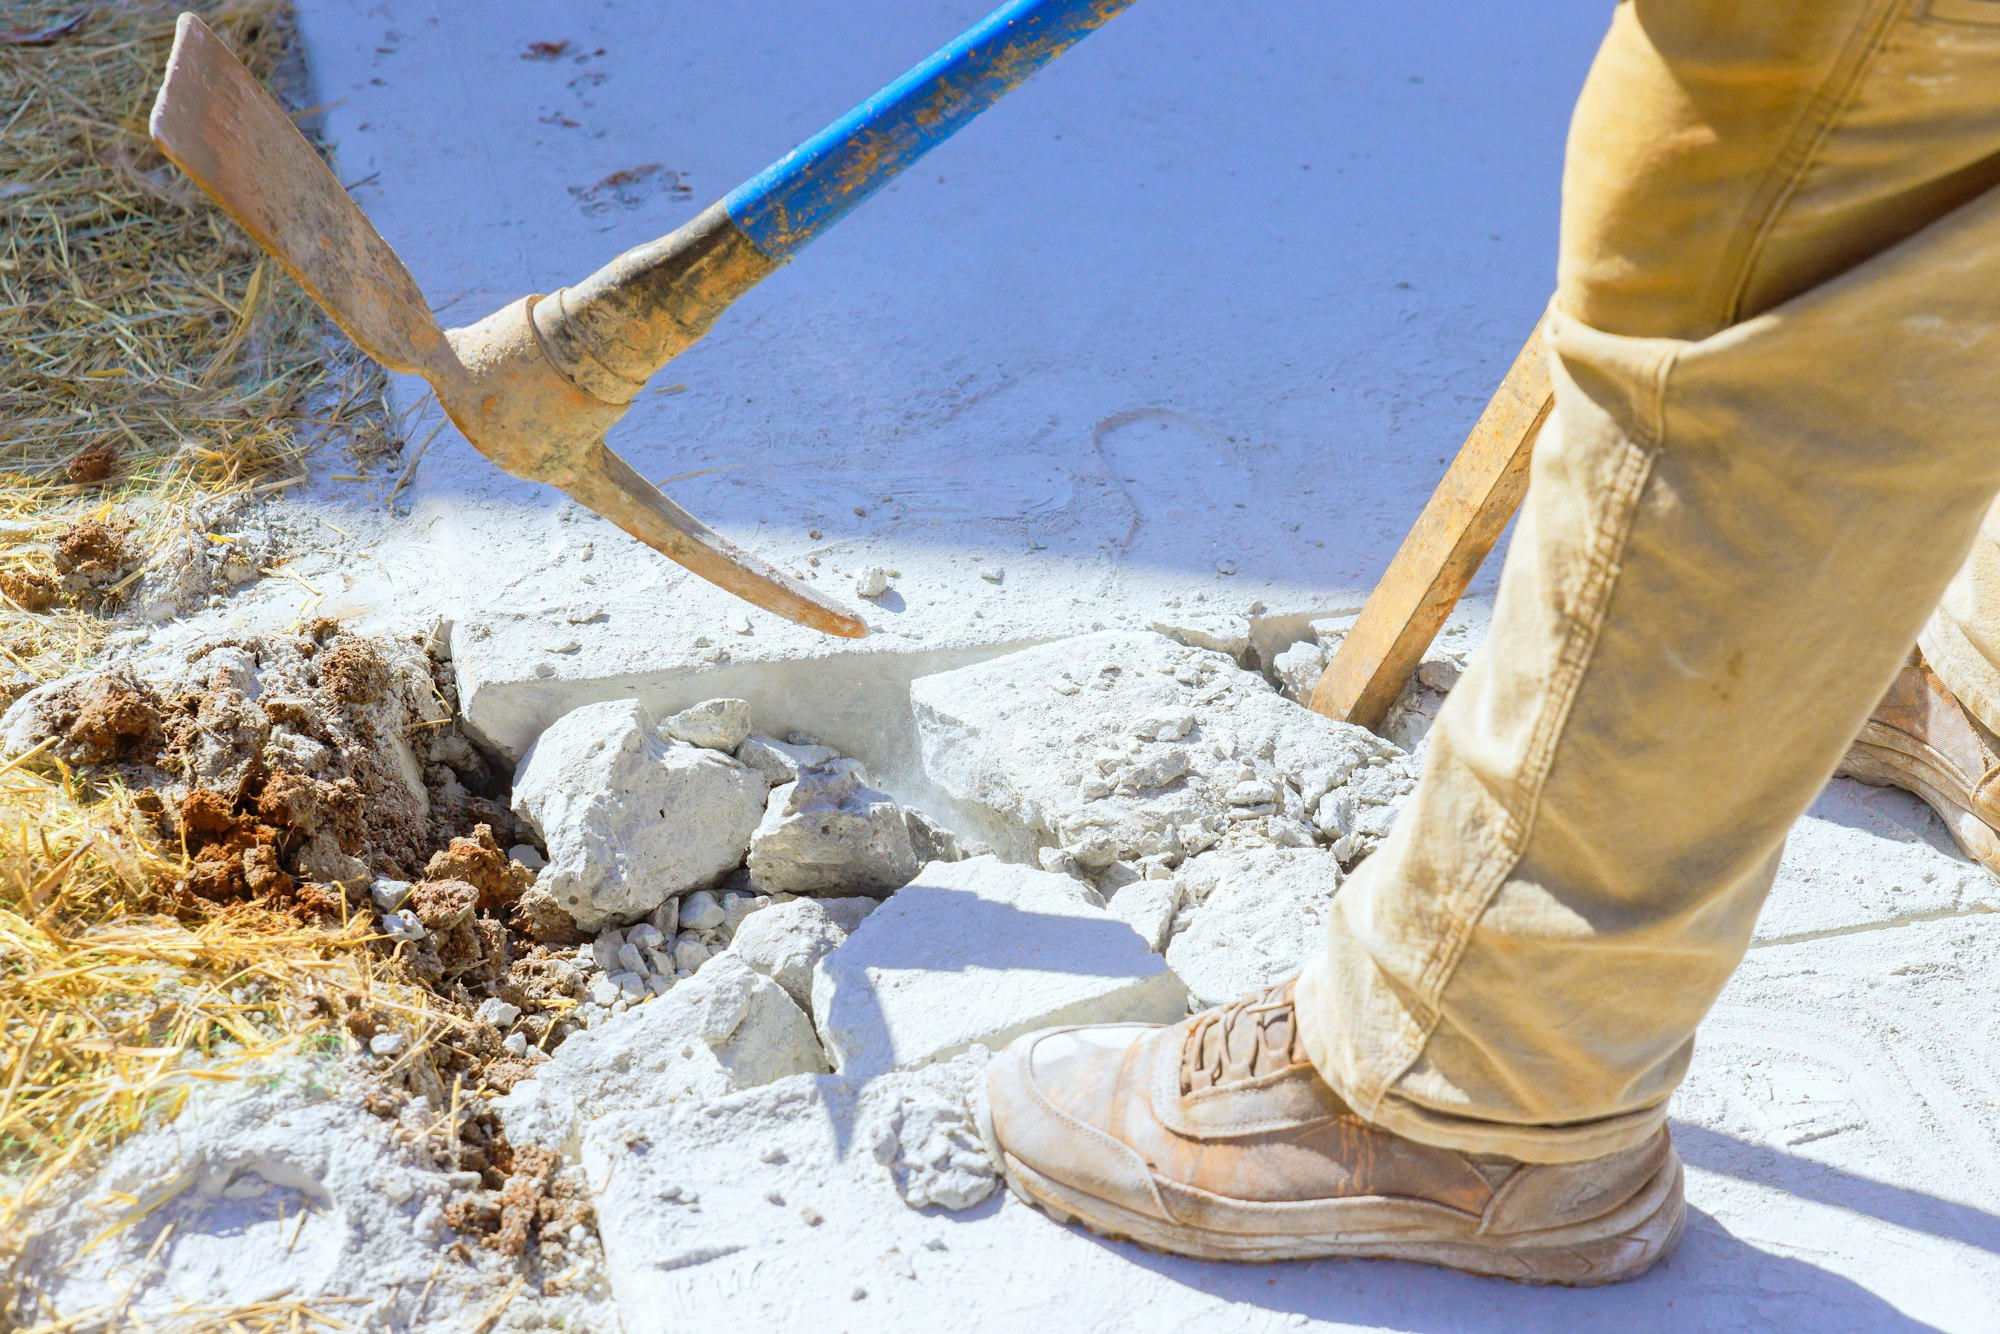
(980, 952)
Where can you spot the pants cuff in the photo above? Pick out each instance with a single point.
(1348, 1021)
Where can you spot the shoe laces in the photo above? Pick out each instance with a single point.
(1251, 1036)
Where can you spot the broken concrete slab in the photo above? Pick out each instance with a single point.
(830, 833)
(1127, 745)
(726, 1028)
(631, 818)
(1149, 907)
(1251, 917)
(979, 952)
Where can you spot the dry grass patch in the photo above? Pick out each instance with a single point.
(150, 358)
(150, 354)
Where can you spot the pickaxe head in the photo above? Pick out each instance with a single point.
(512, 382)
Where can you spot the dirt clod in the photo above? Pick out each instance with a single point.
(479, 862)
(31, 589)
(116, 717)
(94, 552)
(352, 671)
(92, 463)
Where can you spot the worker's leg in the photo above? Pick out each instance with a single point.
(1934, 732)
(1738, 522)
(1737, 525)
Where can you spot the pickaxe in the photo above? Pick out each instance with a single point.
(535, 385)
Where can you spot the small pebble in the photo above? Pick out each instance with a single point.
(774, 1197)
(603, 991)
(389, 894)
(496, 1012)
(689, 953)
(812, 1216)
(993, 576)
(516, 1043)
(403, 926)
(389, 1044)
(872, 582)
(701, 911)
(737, 905)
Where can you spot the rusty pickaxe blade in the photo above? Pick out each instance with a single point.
(535, 385)
(216, 122)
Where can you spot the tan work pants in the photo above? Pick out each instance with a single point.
(1776, 346)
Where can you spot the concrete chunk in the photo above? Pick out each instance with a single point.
(713, 724)
(781, 761)
(725, 1028)
(1126, 745)
(631, 819)
(1253, 916)
(981, 951)
(831, 833)
(785, 941)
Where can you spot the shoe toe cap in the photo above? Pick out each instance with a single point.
(1054, 1097)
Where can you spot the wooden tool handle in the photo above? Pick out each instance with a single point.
(1458, 527)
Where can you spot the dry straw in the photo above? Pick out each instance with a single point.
(138, 328)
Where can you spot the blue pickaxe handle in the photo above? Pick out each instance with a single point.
(816, 184)
(612, 331)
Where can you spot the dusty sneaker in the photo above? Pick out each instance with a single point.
(1215, 1138)
(1921, 739)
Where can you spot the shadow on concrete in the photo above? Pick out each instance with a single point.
(1885, 813)
(1713, 1280)
(1809, 1180)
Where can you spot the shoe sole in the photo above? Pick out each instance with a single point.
(1616, 1246)
(1880, 765)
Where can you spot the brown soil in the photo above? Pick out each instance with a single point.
(94, 552)
(31, 589)
(92, 463)
(352, 672)
(102, 719)
(288, 767)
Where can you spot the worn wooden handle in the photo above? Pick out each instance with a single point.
(1458, 527)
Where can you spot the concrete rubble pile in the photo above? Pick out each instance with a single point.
(763, 990)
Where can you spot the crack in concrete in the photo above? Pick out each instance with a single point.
(1912, 919)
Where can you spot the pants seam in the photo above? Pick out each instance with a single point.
(1579, 645)
(1800, 153)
